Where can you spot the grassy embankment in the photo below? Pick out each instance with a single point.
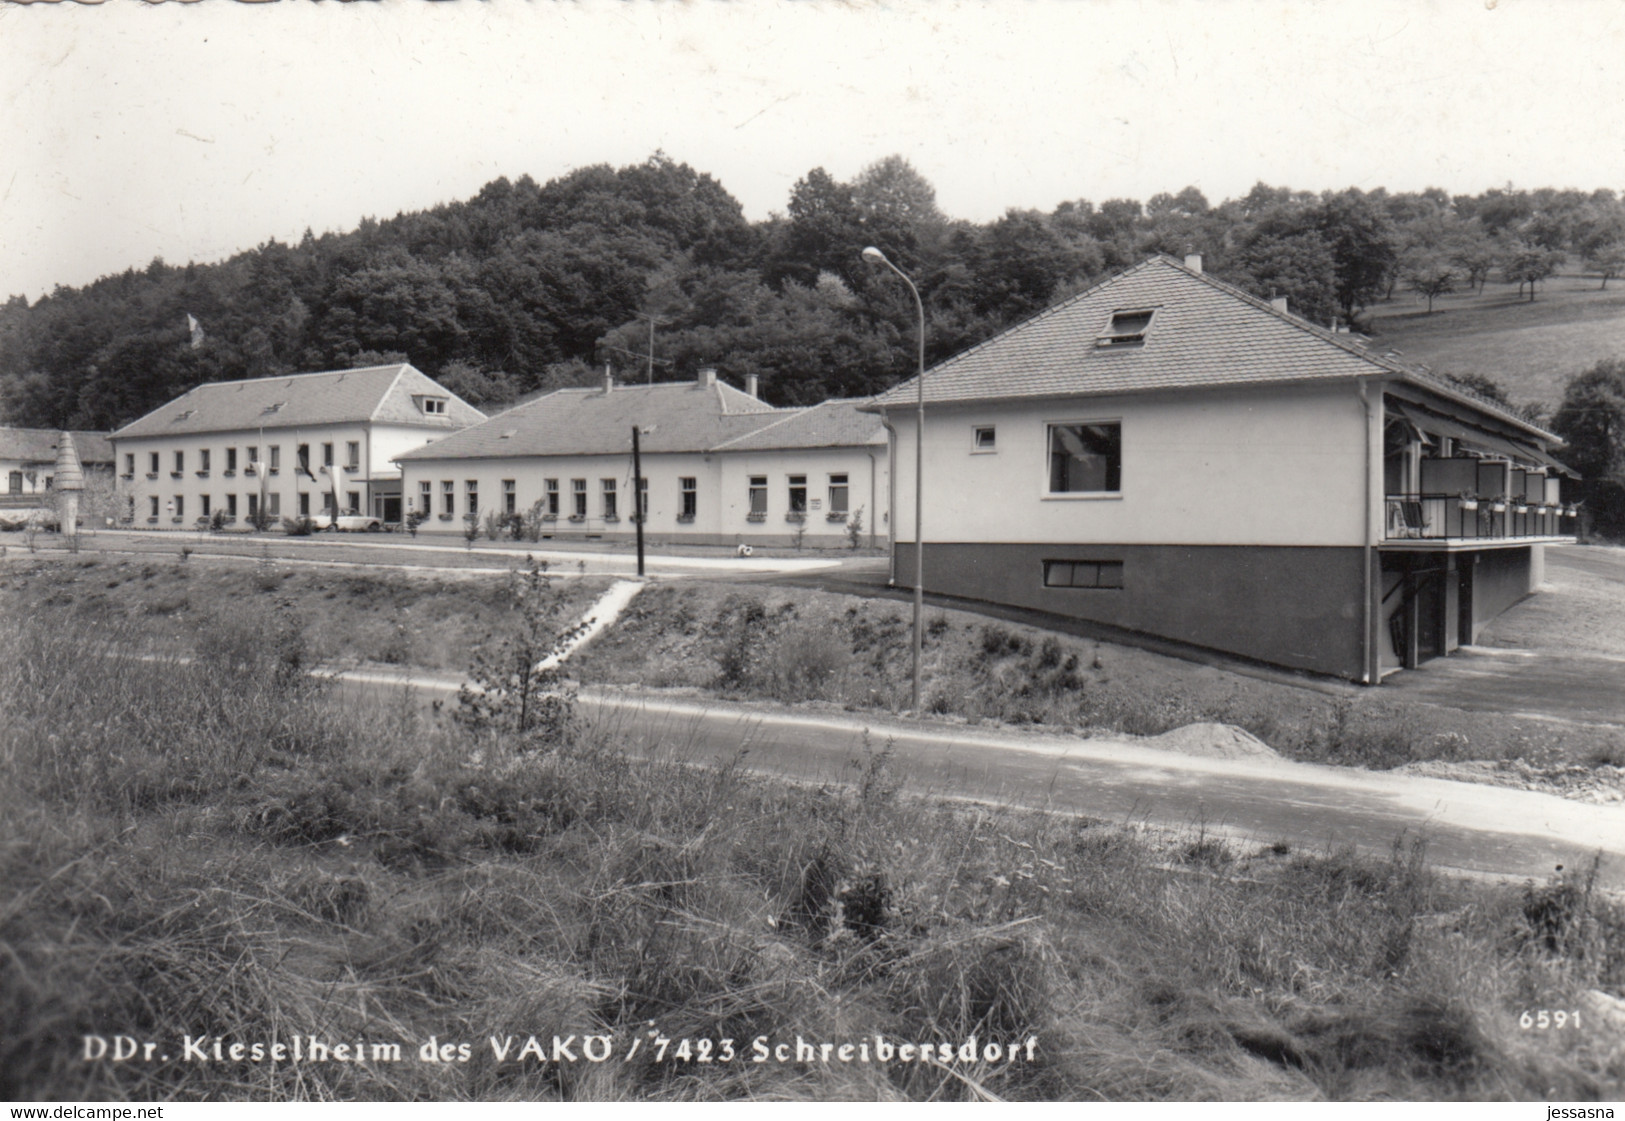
(795, 645)
(218, 847)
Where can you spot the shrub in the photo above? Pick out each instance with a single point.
(509, 691)
(854, 529)
(298, 527)
(494, 523)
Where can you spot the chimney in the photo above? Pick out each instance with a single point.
(609, 379)
(751, 385)
(1279, 304)
(1193, 261)
(707, 378)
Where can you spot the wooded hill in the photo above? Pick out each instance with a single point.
(529, 286)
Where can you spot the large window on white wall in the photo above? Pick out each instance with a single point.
(1086, 458)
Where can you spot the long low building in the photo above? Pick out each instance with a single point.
(719, 466)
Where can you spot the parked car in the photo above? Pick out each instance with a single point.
(352, 523)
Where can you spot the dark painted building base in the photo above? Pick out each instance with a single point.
(1299, 607)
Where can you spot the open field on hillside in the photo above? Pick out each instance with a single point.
(213, 848)
(1531, 349)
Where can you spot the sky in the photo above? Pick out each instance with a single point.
(133, 130)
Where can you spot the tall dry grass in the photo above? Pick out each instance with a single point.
(217, 846)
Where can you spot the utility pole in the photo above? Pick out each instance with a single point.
(637, 494)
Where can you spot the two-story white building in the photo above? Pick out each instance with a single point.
(300, 444)
(719, 467)
(1166, 454)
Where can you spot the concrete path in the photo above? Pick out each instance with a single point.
(379, 550)
(1559, 655)
(1469, 827)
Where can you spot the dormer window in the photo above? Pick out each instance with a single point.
(1127, 328)
(274, 408)
(433, 406)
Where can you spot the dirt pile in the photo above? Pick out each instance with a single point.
(1215, 741)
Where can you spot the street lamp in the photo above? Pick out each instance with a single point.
(876, 257)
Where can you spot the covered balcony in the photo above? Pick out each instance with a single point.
(1449, 486)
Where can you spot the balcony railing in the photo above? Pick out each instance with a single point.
(1442, 517)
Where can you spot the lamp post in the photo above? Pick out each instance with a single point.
(876, 257)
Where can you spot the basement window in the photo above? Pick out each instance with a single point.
(1127, 328)
(1083, 574)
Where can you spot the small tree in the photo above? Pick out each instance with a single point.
(1609, 261)
(414, 518)
(493, 525)
(1429, 276)
(854, 528)
(471, 528)
(509, 691)
(1529, 264)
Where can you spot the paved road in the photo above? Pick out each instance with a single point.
(1470, 827)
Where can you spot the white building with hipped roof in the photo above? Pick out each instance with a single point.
(720, 467)
(1166, 454)
(294, 445)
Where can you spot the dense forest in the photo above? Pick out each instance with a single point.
(528, 286)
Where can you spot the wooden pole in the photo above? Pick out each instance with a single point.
(637, 494)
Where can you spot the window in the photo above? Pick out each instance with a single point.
(578, 494)
(304, 504)
(203, 459)
(837, 494)
(448, 498)
(758, 496)
(327, 455)
(798, 494)
(180, 462)
(203, 505)
(152, 500)
(352, 501)
(327, 502)
(273, 460)
(609, 499)
(1085, 458)
(152, 464)
(643, 498)
(180, 506)
(231, 459)
(231, 505)
(1083, 574)
(129, 464)
(1127, 328)
(983, 439)
(352, 454)
(550, 488)
(510, 497)
(253, 458)
(688, 498)
(433, 406)
(253, 506)
(273, 505)
(425, 497)
(471, 488)
(303, 454)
